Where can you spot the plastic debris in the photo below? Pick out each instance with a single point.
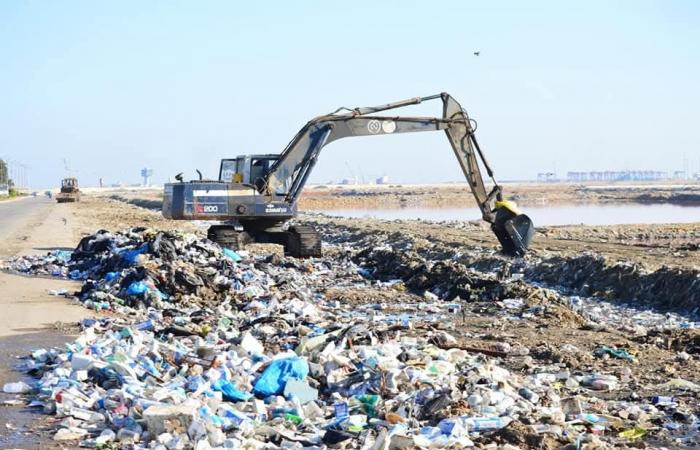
(19, 387)
(633, 433)
(300, 390)
(615, 352)
(208, 348)
(680, 384)
(274, 378)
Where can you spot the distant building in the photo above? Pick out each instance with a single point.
(610, 175)
(547, 177)
(383, 180)
(146, 173)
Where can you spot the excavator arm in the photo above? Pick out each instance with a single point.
(292, 169)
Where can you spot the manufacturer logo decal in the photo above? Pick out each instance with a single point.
(203, 209)
(374, 127)
(389, 126)
(272, 208)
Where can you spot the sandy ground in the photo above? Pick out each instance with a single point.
(32, 318)
(50, 226)
(27, 306)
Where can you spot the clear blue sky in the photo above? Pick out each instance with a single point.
(116, 86)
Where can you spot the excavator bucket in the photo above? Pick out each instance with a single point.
(513, 229)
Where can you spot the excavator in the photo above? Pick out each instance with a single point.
(255, 196)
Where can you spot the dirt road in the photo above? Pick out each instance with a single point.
(31, 317)
(29, 226)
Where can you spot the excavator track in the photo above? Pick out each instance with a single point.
(228, 237)
(303, 241)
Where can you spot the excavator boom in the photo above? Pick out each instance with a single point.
(256, 195)
(299, 157)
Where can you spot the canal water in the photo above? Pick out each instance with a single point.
(589, 214)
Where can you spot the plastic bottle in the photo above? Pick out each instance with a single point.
(145, 325)
(341, 409)
(529, 395)
(20, 387)
(474, 400)
(477, 424)
(86, 415)
(662, 400)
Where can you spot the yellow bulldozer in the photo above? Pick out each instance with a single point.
(70, 192)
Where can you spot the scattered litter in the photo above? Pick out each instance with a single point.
(210, 348)
(615, 352)
(19, 387)
(633, 433)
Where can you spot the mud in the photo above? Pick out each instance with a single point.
(22, 426)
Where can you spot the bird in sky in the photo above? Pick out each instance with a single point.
(476, 53)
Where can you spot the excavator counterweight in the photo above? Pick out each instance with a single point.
(256, 195)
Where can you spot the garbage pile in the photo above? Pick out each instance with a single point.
(593, 275)
(209, 348)
(141, 268)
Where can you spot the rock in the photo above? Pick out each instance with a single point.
(301, 390)
(69, 434)
(166, 418)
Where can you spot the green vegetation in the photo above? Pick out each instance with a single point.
(7, 189)
(4, 178)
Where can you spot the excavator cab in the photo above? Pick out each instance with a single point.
(246, 169)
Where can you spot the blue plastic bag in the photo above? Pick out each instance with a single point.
(229, 391)
(75, 274)
(131, 256)
(63, 255)
(274, 378)
(109, 276)
(137, 288)
(231, 254)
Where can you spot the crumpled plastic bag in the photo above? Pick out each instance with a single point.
(138, 288)
(230, 392)
(615, 352)
(274, 378)
(231, 254)
(131, 256)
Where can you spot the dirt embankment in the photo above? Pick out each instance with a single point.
(618, 270)
(457, 195)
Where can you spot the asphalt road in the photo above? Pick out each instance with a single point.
(15, 214)
(30, 318)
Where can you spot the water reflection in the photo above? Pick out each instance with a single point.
(549, 215)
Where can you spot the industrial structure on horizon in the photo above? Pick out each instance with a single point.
(146, 174)
(616, 175)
